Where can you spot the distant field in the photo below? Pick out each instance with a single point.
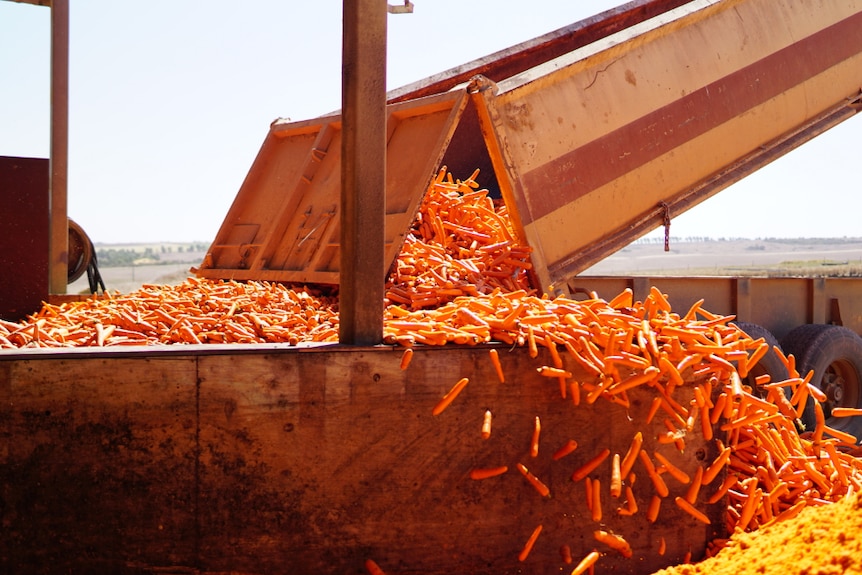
(840, 257)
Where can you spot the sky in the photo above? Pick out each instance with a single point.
(170, 102)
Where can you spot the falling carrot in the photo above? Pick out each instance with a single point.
(588, 561)
(373, 568)
(692, 510)
(528, 546)
(406, 357)
(616, 477)
(486, 424)
(534, 442)
(591, 465)
(450, 396)
(653, 509)
(659, 484)
(596, 506)
(567, 448)
(487, 473)
(614, 541)
(534, 481)
(498, 367)
(632, 454)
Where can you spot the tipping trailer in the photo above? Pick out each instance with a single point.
(595, 135)
(273, 458)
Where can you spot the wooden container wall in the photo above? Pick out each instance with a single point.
(265, 459)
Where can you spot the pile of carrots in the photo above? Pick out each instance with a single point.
(461, 243)
(463, 277)
(195, 311)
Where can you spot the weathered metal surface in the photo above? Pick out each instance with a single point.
(592, 147)
(284, 224)
(521, 57)
(274, 460)
(24, 232)
(363, 172)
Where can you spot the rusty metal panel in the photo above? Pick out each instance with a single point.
(312, 460)
(596, 147)
(24, 236)
(284, 222)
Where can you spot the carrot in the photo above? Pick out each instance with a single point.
(596, 506)
(373, 568)
(653, 509)
(675, 472)
(566, 554)
(586, 563)
(548, 371)
(694, 488)
(565, 450)
(450, 396)
(692, 510)
(662, 546)
(528, 546)
(406, 357)
(659, 484)
(631, 502)
(632, 454)
(534, 481)
(846, 411)
(616, 478)
(614, 541)
(534, 442)
(486, 473)
(486, 424)
(495, 360)
(591, 465)
(720, 461)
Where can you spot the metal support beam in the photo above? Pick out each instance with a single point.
(58, 250)
(363, 172)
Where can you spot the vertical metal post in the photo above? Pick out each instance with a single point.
(58, 250)
(363, 172)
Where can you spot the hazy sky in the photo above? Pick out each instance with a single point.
(170, 102)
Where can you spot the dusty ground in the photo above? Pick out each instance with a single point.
(714, 256)
(684, 258)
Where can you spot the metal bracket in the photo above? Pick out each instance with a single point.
(666, 223)
(406, 9)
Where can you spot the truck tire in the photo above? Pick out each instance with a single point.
(770, 364)
(834, 353)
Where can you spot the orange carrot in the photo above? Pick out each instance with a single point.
(565, 450)
(587, 562)
(674, 471)
(653, 509)
(406, 357)
(616, 478)
(478, 474)
(615, 542)
(566, 554)
(498, 367)
(659, 484)
(486, 424)
(596, 507)
(632, 454)
(450, 396)
(534, 442)
(692, 510)
(373, 568)
(528, 546)
(534, 481)
(591, 465)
